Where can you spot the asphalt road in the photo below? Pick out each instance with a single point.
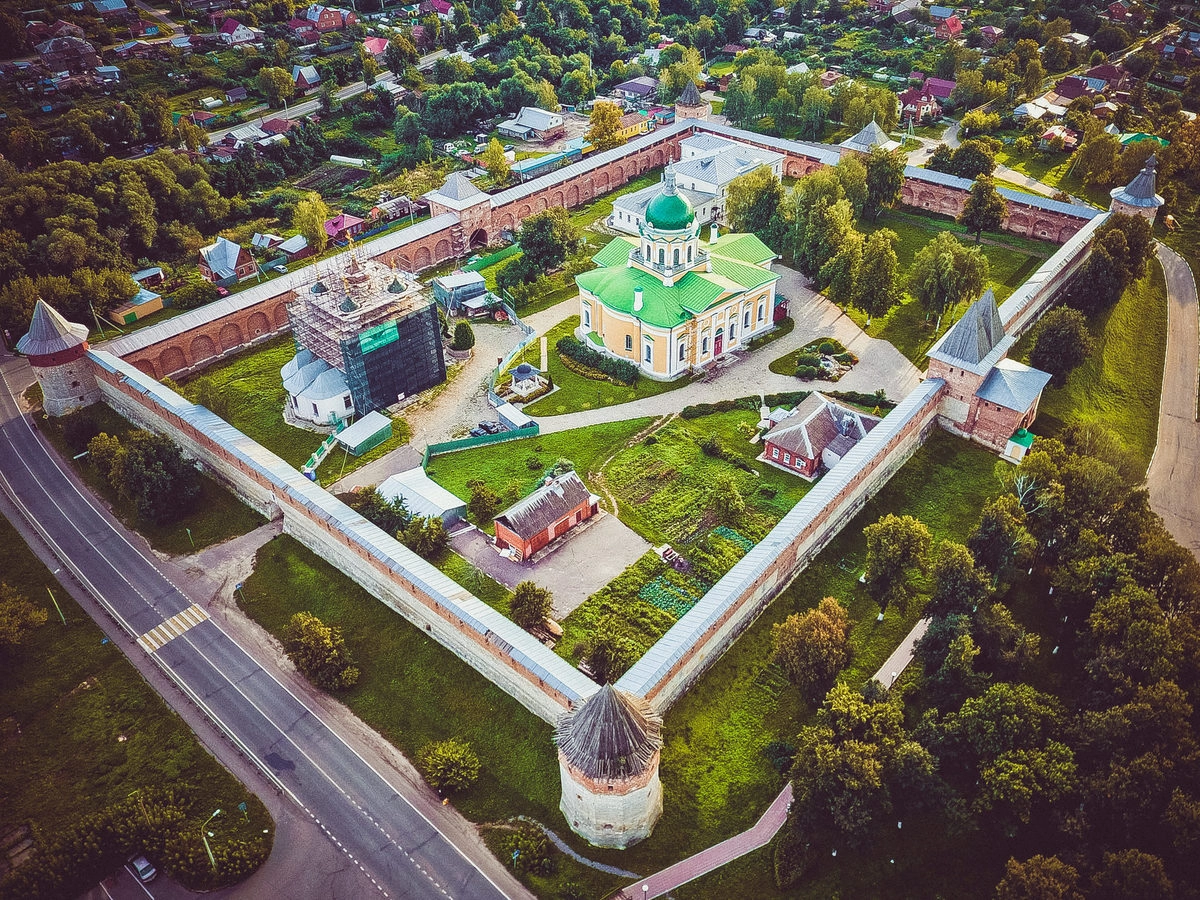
(1175, 469)
(379, 831)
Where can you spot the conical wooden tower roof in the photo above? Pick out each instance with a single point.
(50, 333)
(611, 735)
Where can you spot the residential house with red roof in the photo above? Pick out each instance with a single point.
(306, 78)
(949, 29)
(328, 18)
(343, 226)
(916, 105)
(303, 30)
(375, 46)
(234, 32)
(941, 88)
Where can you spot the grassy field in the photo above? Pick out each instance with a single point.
(1012, 260)
(255, 398)
(80, 729)
(218, 514)
(413, 691)
(506, 467)
(1119, 386)
(576, 392)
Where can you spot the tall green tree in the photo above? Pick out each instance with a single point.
(984, 209)
(319, 652)
(309, 219)
(275, 84)
(897, 548)
(944, 273)
(753, 202)
(531, 605)
(496, 162)
(604, 126)
(885, 179)
(877, 284)
(813, 647)
(1062, 343)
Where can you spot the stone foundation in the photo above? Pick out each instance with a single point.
(611, 813)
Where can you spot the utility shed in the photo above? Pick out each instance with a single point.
(370, 431)
(513, 418)
(423, 496)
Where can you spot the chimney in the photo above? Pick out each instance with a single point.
(637, 299)
(714, 233)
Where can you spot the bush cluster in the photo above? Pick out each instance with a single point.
(618, 370)
(162, 825)
(859, 398)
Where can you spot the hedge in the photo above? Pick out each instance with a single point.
(787, 398)
(620, 370)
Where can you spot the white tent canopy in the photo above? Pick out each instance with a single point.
(423, 496)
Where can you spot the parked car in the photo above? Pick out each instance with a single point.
(491, 427)
(477, 432)
(142, 868)
(281, 269)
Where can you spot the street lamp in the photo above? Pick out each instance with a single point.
(212, 859)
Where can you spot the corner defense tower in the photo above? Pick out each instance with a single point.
(608, 754)
(57, 350)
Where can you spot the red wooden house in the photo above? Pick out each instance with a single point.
(949, 29)
(549, 512)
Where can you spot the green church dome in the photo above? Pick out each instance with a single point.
(670, 210)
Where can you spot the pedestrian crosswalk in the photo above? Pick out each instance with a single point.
(173, 627)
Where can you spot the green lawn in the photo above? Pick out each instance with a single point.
(1012, 260)
(1119, 386)
(255, 398)
(413, 691)
(218, 514)
(80, 729)
(506, 467)
(577, 392)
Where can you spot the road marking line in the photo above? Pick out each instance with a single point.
(169, 629)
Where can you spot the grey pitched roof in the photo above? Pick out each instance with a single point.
(819, 423)
(690, 96)
(50, 333)
(545, 506)
(222, 257)
(866, 140)
(1140, 191)
(612, 734)
(976, 340)
(1013, 385)
(457, 193)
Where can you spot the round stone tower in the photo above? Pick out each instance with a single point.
(1138, 198)
(57, 350)
(608, 752)
(691, 105)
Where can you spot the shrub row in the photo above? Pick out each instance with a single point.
(787, 398)
(620, 370)
(860, 398)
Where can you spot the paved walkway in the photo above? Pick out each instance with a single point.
(920, 156)
(715, 856)
(902, 655)
(450, 413)
(1175, 469)
(881, 364)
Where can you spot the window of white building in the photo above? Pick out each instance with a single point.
(648, 352)
(629, 342)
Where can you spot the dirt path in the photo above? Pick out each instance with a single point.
(596, 476)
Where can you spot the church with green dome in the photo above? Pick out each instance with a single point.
(671, 302)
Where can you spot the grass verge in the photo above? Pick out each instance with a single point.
(217, 516)
(80, 729)
(1120, 384)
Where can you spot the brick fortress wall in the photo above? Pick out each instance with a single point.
(503, 653)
